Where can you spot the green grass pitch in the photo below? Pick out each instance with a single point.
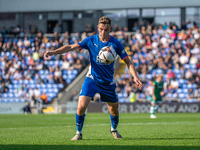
(53, 132)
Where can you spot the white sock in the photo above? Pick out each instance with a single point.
(152, 109)
(112, 129)
(78, 132)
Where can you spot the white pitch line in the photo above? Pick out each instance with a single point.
(106, 124)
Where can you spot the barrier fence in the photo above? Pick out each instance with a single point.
(98, 107)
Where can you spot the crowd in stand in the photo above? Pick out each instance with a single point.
(166, 50)
(22, 59)
(154, 49)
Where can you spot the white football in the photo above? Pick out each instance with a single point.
(107, 55)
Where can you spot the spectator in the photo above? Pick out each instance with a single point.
(78, 66)
(195, 50)
(27, 42)
(75, 96)
(57, 28)
(65, 65)
(17, 75)
(197, 81)
(135, 27)
(28, 75)
(188, 74)
(4, 88)
(161, 31)
(183, 25)
(44, 98)
(197, 94)
(57, 72)
(170, 75)
(26, 109)
(183, 59)
(21, 93)
(2, 80)
(88, 28)
(190, 93)
(7, 80)
(38, 79)
(36, 93)
(174, 84)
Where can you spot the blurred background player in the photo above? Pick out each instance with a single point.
(100, 77)
(156, 99)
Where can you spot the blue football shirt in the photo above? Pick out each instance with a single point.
(100, 72)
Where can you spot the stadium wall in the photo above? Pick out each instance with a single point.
(145, 107)
(137, 107)
(79, 5)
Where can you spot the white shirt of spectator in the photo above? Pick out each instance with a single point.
(39, 66)
(155, 44)
(65, 65)
(163, 40)
(193, 60)
(37, 93)
(16, 65)
(57, 73)
(183, 59)
(188, 74)
(17, 75)
(195, 50)
(24, 51)
(27, 43)
(30, 92)
(138, 35)
(161, 31)
(19, 43)
(21, 93)
(174, 84)
(196, 36)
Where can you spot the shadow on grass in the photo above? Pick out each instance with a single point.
(94, 147)
(162, 138)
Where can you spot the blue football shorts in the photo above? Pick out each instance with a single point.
(107, 93)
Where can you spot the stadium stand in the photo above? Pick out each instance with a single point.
(25, 75)
(173, 52)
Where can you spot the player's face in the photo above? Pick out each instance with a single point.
(160, 79)
(104, 30)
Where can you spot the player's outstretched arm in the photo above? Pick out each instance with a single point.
(61, 50)
(132, 70)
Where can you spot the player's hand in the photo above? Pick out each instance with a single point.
(138, 82)
(162, 93)
(154, 97)
(48, 55)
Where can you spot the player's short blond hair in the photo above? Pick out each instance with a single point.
(105, 20)
(160, 75)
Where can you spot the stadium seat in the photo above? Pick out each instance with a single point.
(174, 95)
(60, 86)
(4, 95)
(4, 100)
(125, 95)
(159, 71)
(187, 66)
(148, 76)
(179, 91)
(141, 95)
(176, 71)
(120, 95)
(182, 95)
(185, 90)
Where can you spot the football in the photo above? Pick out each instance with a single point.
(107, 55)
